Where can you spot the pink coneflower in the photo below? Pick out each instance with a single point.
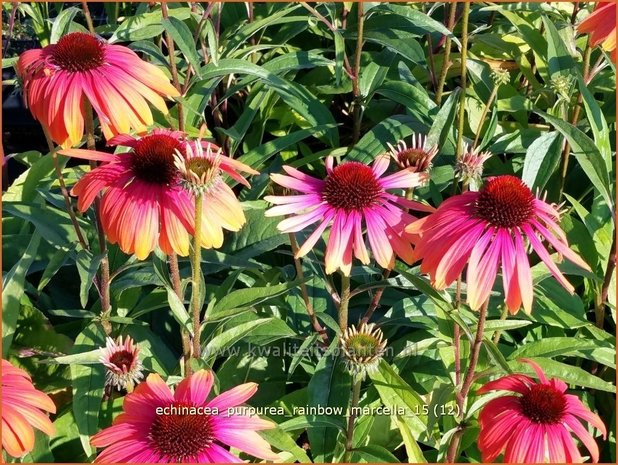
(352, 194)
(535, 424)
(21, 411)
(124, 368)
(160, 427)
(487, 229)
(418, 156)
(144, 203)
(116, 82)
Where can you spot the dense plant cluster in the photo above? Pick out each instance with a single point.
(309, 232)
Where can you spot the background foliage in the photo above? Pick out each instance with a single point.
(271, 82)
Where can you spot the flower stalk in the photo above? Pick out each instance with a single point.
(196, 272)
(462, 394)
(303, 289)
(356, 388)
(104, 279)
(344, 303)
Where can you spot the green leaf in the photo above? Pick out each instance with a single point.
(568, 373)
(183, 38)
(373, 74)
(414, 452)
(12, 291)
(274, 327)
(586, 153)
(558, 58)
(54, 225)
(260, 155)
(330, 386)
(597, 122)
(314, 421)
(374, 453)
(87, 267)
(179, 311)
(145, 25)
(62, 23)
(339, 54)
(496, 355)
(443, 122)
(556, 346)
(396, 393)
(282, 441)
(245, 298)
(296, 96)
(373, 143)
(83, 358)
(88, 382)
(542, 159)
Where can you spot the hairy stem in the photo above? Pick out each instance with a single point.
(89, 22)
(375, 302)
(303, 288)
(356, 112)
(184, 334)
(464, 77)
(599, 310)
(447, 54)
(356, 388)
(462, 395)
(345, 300)
(195, 279)
(104, 278)
(490, 100)
(169, 42)
(576, 111)
(64, 191)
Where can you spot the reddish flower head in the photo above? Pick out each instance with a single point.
(116, 82)
(351, 195)
(21, 411)
(601, 25)
(534, 425)
(124, 368)
(144, 203)
(160, 427)
(488, 229)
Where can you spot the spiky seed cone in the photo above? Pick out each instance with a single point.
(363, 347)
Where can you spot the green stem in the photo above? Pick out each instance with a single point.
(104, 278)
(447, 54)
(303, 288)
(464, 77)
(492, 96)
(567, 148)
(503, 316)
(462, 395)
(196, 270)
(169, 42)
(184, 334)
(356, 388)
(345, 300)
(63, 189)
(356, 112)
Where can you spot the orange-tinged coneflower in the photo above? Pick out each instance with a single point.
(116, 82)
(601, 25)
(22, 409)
(144, 202)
